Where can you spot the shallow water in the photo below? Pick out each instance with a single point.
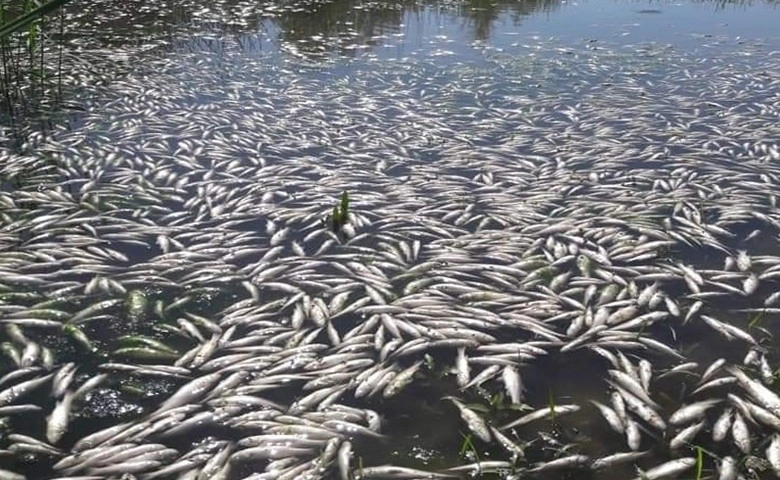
(467, 127)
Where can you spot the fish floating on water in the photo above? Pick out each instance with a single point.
(489, 231)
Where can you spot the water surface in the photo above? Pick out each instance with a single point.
(462, 129)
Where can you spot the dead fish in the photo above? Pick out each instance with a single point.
(513, 384)
(279, 237)
(349, 429)
(740, 434)
(692, 311)
(9, 475)
(718, 382)
(712, 369)
(18, 409)
(402, 379)
(632, 386)
(484, 376)
(462, 367)
(124, 468)
(727, 330)
(57, 422)
(11, 394)
(727, 469)
(87, 313)
(767, 373)
(672, 307)
(616, 459)
(62, 379)
(685, 436)
(389, 472)
(633, 436)
(692, 412)
(743, 261)
(765, 397)
(668, 469)
(750, 284)
(474, 422)
(478, 468)
(773, 453)
(344, 455)
(266, 453)
(551, 412)
(619, 406)
(644, 411)
(763, 416)
(610, 416)
(645, 374)
(191, 392)
(571, 461)
(510, 446)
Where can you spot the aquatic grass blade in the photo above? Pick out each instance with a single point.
(699, 462)
(344, 206)
(468, 446)
(551, 404)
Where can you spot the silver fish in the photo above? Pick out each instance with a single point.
(773, 453)
(692, 412)
(11, 394)
(551, 412)
(616, 459)
(474, 422)
(763, 395)
(727, 469)
(741, 434)
(389, 472)
(57, 422)
(685, 436)
(668, 469)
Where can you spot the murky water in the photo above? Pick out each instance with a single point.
(551, 206)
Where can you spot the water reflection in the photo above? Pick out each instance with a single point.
(482, 14)
(319, 28)
(345, 26)
(719, 5)
(102, 41)
(341, 26)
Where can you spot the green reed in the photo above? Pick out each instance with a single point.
(340, 214)
(699, 462)
(28, 84)
(467, 449)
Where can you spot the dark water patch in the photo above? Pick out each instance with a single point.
(420, 430)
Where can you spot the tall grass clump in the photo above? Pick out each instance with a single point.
(31, 66)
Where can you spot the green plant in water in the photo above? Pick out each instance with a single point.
(496, 405)
(25, 86)
(29, 16)
(340, 214)
(467, 446)
(497, 400)
(699, 462)
(756, 320)
(33, 34)
(551, 404)
(430, 364)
